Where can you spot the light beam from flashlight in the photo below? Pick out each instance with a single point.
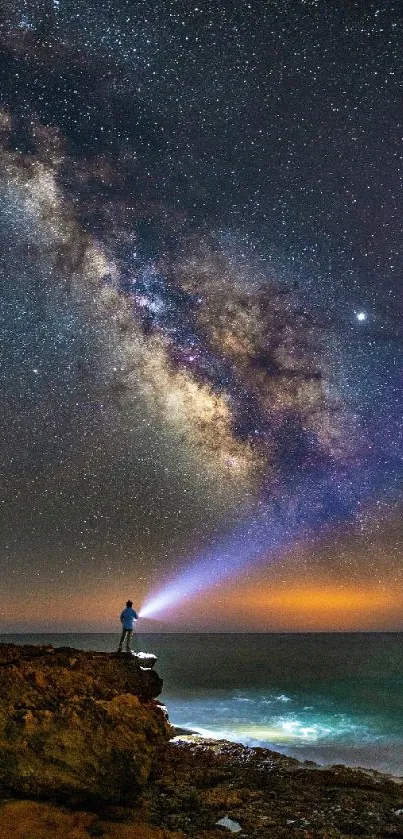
(320, 502)
(214, 566)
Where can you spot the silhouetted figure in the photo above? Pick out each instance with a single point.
(127, 619)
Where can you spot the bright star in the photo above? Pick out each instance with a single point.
(361, 316)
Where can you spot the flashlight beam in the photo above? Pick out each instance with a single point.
(321, 502)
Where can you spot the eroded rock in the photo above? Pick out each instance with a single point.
(37, 820)
(204, 785)
(77, 726)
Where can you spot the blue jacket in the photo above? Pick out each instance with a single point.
(128, 617)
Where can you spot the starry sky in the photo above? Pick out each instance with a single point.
(201, 314)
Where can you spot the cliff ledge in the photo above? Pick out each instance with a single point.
(78, 727)
(85, 751)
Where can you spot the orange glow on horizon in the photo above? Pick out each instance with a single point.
(75, 611)
(312, 606)
(240, 606)
(321, 599)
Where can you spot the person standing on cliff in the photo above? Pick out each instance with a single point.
(127, 618)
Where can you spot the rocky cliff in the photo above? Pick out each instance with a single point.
(77, 726)
(84, 752)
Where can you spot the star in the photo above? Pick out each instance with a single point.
(183, 195)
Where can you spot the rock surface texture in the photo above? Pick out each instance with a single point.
(270, 796)
(77, 726)
(84, 731)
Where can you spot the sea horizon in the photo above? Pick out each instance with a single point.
(330, 697)
(204, 632)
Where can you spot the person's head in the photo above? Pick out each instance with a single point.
(129, 604)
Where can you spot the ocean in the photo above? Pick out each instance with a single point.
(331, 698)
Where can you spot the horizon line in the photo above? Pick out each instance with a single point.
(215, 632)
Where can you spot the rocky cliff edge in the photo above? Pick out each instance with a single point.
(84, 753)
(78, 727)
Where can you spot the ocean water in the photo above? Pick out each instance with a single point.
(331, 698)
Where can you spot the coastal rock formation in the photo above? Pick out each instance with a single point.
(38, 820)
(204, 783)
(205, 789)
(81, 727)
(84, 731)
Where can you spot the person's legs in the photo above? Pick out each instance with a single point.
(122, 638)
(129, 633)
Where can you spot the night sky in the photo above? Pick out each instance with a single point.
(201, 314)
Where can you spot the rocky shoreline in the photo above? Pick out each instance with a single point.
(86, 750)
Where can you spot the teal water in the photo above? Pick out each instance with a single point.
(332, 698)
